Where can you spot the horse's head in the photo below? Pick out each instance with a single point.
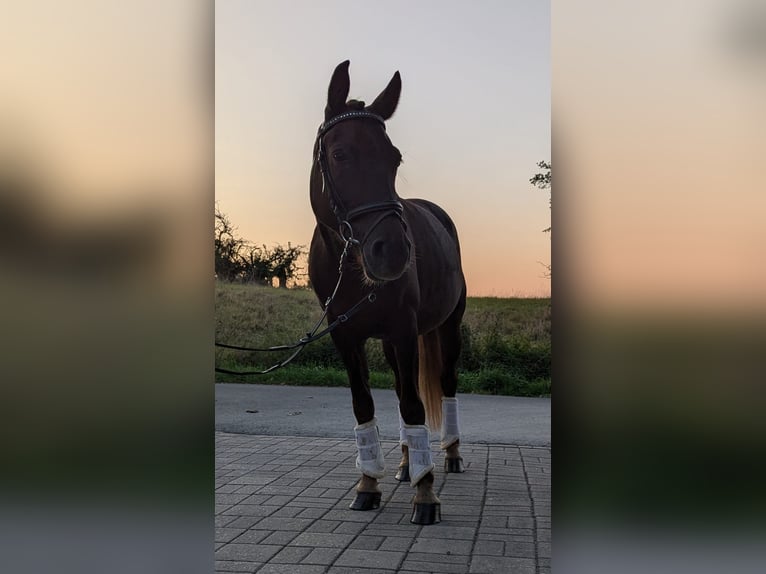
(353, 177)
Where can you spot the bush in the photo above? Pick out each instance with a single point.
(496, 381)
(516, 356)
(506, 342)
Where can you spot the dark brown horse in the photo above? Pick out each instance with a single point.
(406, 252)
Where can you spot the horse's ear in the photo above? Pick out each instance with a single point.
(385, 104)
(338, 90)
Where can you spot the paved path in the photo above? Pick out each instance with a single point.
(326, 412)
(282, 502)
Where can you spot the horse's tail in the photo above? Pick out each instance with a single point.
(429, 377)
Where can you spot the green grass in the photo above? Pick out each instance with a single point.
(506, 342)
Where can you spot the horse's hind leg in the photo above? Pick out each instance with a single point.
(449, 337)
(403, 472)
(369, 458)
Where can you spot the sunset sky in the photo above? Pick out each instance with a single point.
(472, 123)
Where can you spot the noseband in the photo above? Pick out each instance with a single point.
(346, 216)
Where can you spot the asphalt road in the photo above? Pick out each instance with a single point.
(326, 412)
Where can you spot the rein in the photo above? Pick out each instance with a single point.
(312, 335)
(346, 231)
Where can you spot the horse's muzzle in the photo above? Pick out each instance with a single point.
(386, 250)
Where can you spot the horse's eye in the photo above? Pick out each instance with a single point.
(339, 156)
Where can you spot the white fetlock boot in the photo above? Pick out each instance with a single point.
(451, 435)
(402, 434)
(450, 423)
(426, 507)
(419, 447)
(370, 461)
(370, 458)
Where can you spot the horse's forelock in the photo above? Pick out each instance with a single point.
(355, 104)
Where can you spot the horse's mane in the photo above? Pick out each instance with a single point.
(355, 104)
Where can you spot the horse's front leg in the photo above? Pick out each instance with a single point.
(369, 458)
(426, 505)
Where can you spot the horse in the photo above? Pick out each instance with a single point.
(400, 260)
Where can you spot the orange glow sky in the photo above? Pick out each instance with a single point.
(473, 118)
(663, 142)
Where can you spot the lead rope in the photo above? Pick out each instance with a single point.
(312, 335)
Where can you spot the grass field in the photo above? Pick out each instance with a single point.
(506, 342)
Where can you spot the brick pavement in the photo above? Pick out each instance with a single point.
(282, 507)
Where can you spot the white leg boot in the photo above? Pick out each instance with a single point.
(450, 439)
(450, 422)
(418, 444)
(402, 434)
(370, 457)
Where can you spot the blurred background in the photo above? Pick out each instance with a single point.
(106, 202)
(659, 340)
(106, 219)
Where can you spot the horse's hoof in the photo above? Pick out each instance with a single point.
(426, 513)
(366, 501)
(403, 474)
(453, 465)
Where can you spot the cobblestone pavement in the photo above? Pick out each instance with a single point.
(282, 508)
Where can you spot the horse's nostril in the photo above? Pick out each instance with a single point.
(378, 249)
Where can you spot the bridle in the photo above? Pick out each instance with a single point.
(343, 215)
